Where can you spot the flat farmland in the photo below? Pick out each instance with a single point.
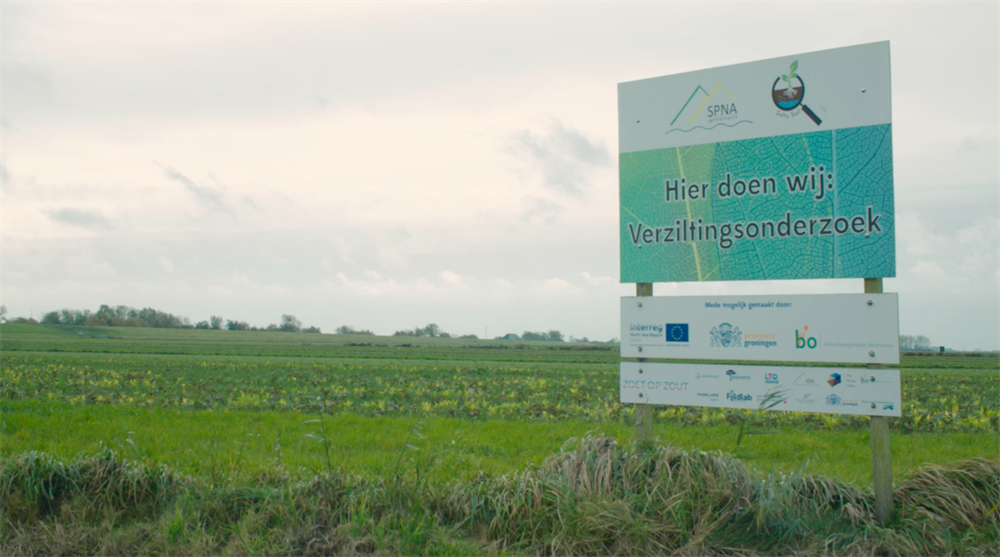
(241, 410)
(210, 376)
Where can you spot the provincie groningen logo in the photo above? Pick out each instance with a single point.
(716, 108)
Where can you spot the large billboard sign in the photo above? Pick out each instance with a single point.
(846, 328)
(828, 390)
(777, 169)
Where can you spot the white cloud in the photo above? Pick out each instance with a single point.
(168, 265)
(454, 279)
(598, 281)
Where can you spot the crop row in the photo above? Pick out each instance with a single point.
(932, 401)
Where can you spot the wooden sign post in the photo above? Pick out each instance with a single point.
(881, 451)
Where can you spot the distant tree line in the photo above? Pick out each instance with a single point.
(911, 342)
(289, 324)
(117, 316)
(125, 316)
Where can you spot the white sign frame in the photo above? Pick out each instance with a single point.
(847, 87)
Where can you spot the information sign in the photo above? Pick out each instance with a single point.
(848, 328)
(776, 169)
(829, 390)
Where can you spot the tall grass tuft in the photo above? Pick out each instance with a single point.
(34, 486)
(963, 495)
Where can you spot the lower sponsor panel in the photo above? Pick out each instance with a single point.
(827, 390)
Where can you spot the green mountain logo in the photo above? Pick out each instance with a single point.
(717, 103)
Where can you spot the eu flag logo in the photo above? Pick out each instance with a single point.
(677, 332)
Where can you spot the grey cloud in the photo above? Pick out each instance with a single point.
(210, 198)
(541, 209)
(4, 174)
(251, 204)
(564, 156)
(84, 218)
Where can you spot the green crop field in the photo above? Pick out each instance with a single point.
(224, 412)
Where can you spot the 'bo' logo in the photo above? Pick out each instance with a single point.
(803, 341)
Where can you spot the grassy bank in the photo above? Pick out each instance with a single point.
(598, 497)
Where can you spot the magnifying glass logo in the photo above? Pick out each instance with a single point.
(789, 98)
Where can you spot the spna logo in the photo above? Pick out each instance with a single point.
(677, 332)
(771, 378)
(887, 407)
(802, 341)
(707, 109)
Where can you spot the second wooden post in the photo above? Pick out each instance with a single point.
(643, 412)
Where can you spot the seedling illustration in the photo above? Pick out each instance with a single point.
(787, 78)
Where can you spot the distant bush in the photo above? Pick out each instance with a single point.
(430, 330)
(551, 336)
(349, 330)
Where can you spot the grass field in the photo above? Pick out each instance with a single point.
(256, 411)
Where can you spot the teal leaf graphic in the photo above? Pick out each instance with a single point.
(795, 66)
(785, 78)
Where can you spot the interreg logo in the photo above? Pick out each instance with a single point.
(803, 341)
(726, 336)
(658, 329)
(677, 332)
(833, 380)
(738, 397)
(771, 378)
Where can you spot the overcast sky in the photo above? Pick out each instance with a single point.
(390, 165)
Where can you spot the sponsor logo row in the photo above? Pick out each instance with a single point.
(724, 335)
(845, 380)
